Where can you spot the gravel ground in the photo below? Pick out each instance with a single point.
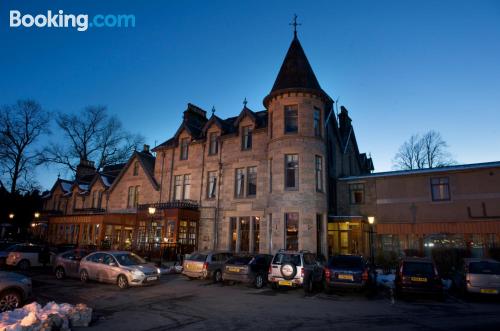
(178, 303)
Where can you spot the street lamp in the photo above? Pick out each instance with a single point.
(37, 215)
(371, 221)
(11, 216)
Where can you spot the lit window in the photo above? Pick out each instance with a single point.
(292, 231)
(440, 188)
(357, 194)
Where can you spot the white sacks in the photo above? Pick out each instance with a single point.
(33, 317)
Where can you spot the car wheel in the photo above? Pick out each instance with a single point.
(259, 281)
(217, 276)
(10, 300)
(60, 273)
(24, 265)
(84, 276)
(308, 285)
(122, 282)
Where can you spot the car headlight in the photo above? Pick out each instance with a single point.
(137, 273)
(158, 271)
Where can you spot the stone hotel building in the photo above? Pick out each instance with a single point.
(288, 176)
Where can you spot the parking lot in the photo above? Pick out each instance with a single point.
(178, 303)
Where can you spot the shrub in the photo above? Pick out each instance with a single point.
(449, 260)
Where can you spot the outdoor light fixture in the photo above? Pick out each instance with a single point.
(371, 219)
(11, 216)
(33, 225)
(151, 210)
(37, 215)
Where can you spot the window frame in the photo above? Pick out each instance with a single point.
(446, 185)
(318, 173)
(184, 149)
(317, 126)
(352, 189)
(287, 237)
(246, 138)
(288, 116)
(213, 143)
(211, 175)
(296, 173)
(241, 186)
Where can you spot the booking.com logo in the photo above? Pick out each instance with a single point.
(61, 20)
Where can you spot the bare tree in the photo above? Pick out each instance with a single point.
(419, 152)
(21, 125)
(91, 135)
(435, 149)
(410, 155)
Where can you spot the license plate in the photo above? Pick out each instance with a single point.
(151, 278)
(489, 291)
(346, 277)
(285, 283)
(419, 279)
(234, 269)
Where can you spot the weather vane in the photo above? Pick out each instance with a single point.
(213, 110)
(294, 24)
(245, 102)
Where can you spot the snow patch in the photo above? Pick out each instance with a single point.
(51, 316)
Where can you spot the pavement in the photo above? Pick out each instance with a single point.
(181, 304)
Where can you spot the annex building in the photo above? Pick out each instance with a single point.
(289, 175)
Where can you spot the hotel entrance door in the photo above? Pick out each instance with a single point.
(346, 238)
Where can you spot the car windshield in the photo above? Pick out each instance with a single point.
(197, 257)
(240, 260)
(281, 258)
(484, 268)
(346, 262)
(128, 259)
(418, 268)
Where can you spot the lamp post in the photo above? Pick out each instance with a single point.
(151, 212)
(371, 221)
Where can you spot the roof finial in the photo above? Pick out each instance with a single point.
(245, 102)
(294, 24)
(58, 175)
(213, 110)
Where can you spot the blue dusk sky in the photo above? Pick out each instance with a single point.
(400, 67)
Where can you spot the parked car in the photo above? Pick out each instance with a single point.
(293, 269)
(250, 269)
(481, 276)
(5, 249)
(205, 265)
(418, 275)
(15, 289)
(24, 256)
(348, 271)
(119, 267)
(67, 264)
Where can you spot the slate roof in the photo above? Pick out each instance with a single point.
(296, 72)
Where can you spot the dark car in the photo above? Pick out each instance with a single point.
(250, 269)
(418, 275)
(67, 264)
(348, 271)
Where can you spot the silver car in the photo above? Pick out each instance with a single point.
(482, 276)
(67, 264)
(15, 289)
(205, 265)
(119, 267)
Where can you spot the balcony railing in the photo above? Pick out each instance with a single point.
(179, 204)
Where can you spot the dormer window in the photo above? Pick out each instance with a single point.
(246, 138)
(136, 168)
(213, 147)
(291, 119)
(184, 148)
